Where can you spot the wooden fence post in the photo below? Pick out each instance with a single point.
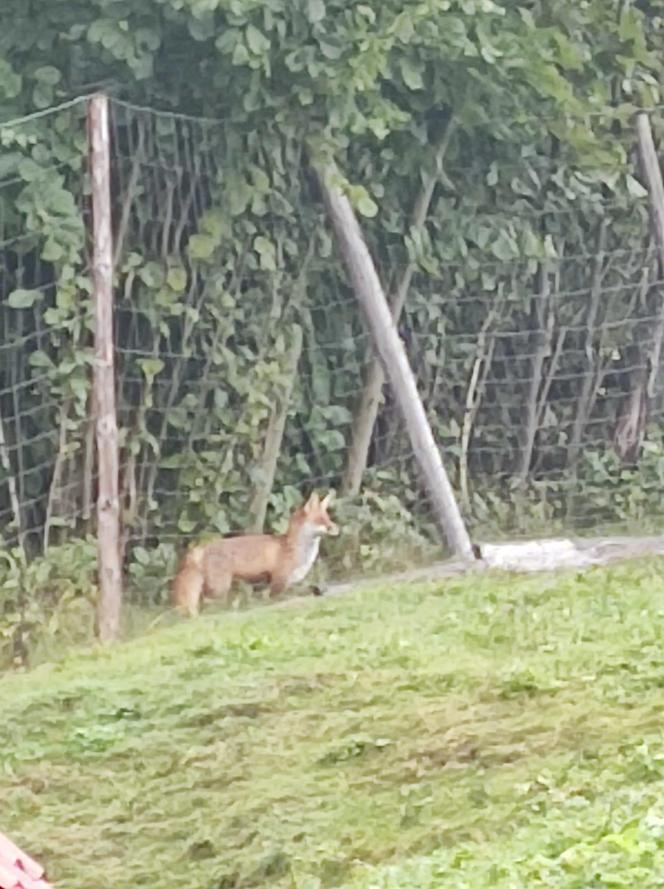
(394, 361)
(108, 504)
(653, 175)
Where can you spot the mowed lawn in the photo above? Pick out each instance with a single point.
(489, 731)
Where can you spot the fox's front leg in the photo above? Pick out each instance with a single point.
(278, 583)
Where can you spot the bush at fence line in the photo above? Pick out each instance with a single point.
(606, 496)
(379, 534)
(390, 526)
(149, 571)
(46, 601)
(625, 496)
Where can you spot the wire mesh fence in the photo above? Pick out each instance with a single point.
(46, 446)
(242, 359)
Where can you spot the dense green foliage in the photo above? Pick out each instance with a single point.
(483, 732)
(531, 314)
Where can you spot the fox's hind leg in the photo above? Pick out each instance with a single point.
(187, 589)
(218, 585)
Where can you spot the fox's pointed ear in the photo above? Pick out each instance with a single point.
(312, 502)
(327, 499)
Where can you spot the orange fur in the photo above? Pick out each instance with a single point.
(209, 570)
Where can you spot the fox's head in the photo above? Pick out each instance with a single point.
(314, 513)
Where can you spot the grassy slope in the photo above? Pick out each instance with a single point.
(483, 732)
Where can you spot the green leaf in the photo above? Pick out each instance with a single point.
(52, 251)
(177, 278)
(10, 82)
(62, 202)
(141, 555)
(149, 39)
(201, 246)
(366, 206)
(214, 223)
(338, 414)
(30, 171)
(504, 247)
(412, 76)
(226, 41)
(315, 11)
(267, 253)
(238, 195)
(240, 54)
(23, 299)
(220, 522)
(634, 187)
(40, 359)
(152, 274)
(256, 41)
(9, 164)
(332, 440)
(131, 261)
(220, 399)
(185, 525)
(42, 96)
(48, 74)
(261, 181)
(531, 244)
(379, 128)
(151, 367)
(403, 27)
(330, 48)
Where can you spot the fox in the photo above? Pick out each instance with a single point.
(208, 570)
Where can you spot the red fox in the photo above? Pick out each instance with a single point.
(208, 570)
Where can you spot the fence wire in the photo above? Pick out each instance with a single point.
(242, 358)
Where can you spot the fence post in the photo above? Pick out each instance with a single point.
(393, 358)
(108, 504)
(653, 175)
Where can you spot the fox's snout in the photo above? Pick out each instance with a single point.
(325, 526)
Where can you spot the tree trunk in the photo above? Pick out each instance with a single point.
(274, 437)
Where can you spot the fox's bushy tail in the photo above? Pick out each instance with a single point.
(188, 582)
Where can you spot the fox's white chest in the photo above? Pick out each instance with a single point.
(307, 554)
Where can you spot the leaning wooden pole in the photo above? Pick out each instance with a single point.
(394, 361)
(108, 503)
(653, 175)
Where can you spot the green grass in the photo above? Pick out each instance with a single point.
(476, 732)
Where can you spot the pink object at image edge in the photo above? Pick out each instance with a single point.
(18, 870)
